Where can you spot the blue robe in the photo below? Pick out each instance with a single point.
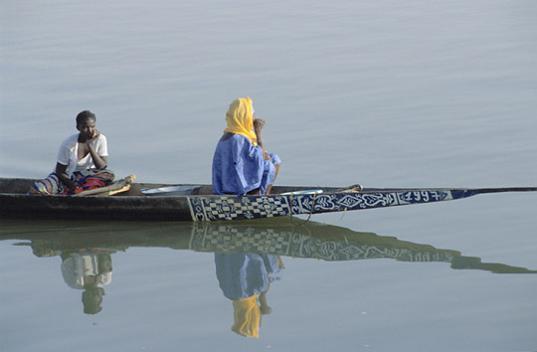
(242, 275)
(239, 167)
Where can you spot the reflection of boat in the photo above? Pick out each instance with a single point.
(292, 238)
(195, 203)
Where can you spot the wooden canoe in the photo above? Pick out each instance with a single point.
(194, 202)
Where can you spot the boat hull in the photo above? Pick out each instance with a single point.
(205, 207)
(195, 203)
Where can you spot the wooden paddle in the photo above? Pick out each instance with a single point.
(116, 187)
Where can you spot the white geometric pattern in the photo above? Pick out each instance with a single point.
(229, 208)
(214, 208)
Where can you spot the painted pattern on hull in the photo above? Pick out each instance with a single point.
(252, 207)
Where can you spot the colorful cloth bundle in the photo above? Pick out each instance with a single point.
(85, 180)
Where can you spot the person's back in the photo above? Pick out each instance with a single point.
(240, 163)
(237, 166)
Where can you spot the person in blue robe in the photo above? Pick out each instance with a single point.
(241, 165)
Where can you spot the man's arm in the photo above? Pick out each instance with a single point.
(61, 171)
(100, 161)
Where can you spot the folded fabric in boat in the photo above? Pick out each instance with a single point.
(85, 180)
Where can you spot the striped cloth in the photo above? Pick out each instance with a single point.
(84, 180)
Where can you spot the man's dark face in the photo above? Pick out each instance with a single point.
(87, 128)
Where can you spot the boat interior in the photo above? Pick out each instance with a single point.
(22, 186)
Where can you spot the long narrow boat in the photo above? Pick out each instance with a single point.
(194, 202)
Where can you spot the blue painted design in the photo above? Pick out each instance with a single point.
(215, 208)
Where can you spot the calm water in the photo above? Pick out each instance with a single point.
(384, 93)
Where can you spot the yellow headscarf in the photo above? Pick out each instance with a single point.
(247, 316)
(240, 119)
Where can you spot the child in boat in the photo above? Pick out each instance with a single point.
(81, 162)
(241, 165)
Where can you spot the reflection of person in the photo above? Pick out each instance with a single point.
(245, 279)
(81, 162)
(241, 165)
(90, 272)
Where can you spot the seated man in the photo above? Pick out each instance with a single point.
(81, 162)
